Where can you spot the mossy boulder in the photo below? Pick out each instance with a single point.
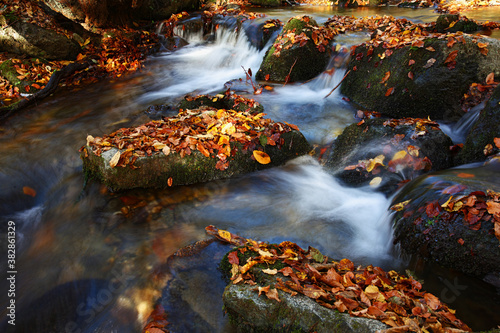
(294, 55)
(483, 132)
(390, 150)
(250, 312)
(195, 146)
(445, 218)
(8, 71)
(428, 86)
(32, 40)
(454, 23)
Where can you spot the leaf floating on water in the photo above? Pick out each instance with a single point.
(465, 175)
(225, 235)
(29, 191)
(375, 182)
(114, 160)
(375, 162)
(261, 157)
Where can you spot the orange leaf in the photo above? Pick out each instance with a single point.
(411, 62)
(497, 142)
(386, 77)
(202, 149)
(430, 48)
(292, 126)
(493, 207)
(461, 241)
(29, 191)
(410, 75)
(261, 157)
(266, 77)
(490, 79)
(451, 57)
(497, 230)
(465, 175)
(418, 43)
(170, 181)
(389, 91)
(432, 301)
(482, 45)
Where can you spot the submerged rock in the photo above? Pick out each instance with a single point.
(296, 55)
(195, 146)
(483, 133)
(451, 218)
(423, 81)
(384, 153)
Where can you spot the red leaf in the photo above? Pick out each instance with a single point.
(410, 75)
(266, 77)
(461, 241)
(433, 208)
(411, 62)
(233, 258)
(389, 91)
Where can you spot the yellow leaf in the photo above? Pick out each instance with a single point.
(159, 146)
(399, 155)
(261, 157)
(225, 234)
(114, 160)
(445, 205)
(374, 162)
(375, 181)
(399, 207)
(90, 139)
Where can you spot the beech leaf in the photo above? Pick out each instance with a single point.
(114, 160)
(261, 157)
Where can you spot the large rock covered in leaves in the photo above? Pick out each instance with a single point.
(195, 146)
(452, 218)
(283, 288)
(384, 153)
(419, 77)
(484, 136)
(299, 53)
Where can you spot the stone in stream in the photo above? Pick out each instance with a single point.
(422, 81)
(386, 152)
(195, 146)
(480, 141)
(452, 218)
(299, 53)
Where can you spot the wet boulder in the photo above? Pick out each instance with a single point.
(384, 153)
(228, 100)
(452, 218)
(428, 79)
(454, 23)
(195, 146)
(260, 31)
(299, 53)
(35, 41)
(253, 313)
(480, 141)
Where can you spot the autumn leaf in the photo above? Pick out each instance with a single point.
(493, 207)
(114, 160)
(430, 48)
(267, 77)
(465, 175)
(432, 301)
(497, 142)
(292, 126)
(270, 271)
(410, 75)
(386, 77)
(451, 57)
(399, 155)
(166, 150)
(261, 157)
(400, 206)
(226, 235)
(170, 181)
(273, 294)
(389, 91)
(411, 62)
(490, 79)
(375, 182)
(233, 258)
(429, 63)
(375, 162)
(29, 191)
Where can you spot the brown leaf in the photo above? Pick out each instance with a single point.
(386, 77)
(233, 258)
(490, 79)
(432, 301)
(410, 75)
(273, 294)
(430, 62)
(29, 191)
(451, 57)
(493, 207)
(497, 142)
(114, 160)
(411, 62)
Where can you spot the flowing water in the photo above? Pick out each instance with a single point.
(88, 260)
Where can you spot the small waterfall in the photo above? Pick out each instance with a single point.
(459, 130)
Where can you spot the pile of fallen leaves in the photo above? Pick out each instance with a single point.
(478, 92)
(458, 6)
(474, 208)
(207, 130)
(368, 292)
(321, 36)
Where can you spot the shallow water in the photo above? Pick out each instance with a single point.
(87, 260)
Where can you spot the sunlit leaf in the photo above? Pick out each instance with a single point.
(261, 157)
(170, 181)
(400, 206)
(270, 271)
(465, 175)
(114, 160)
(225, 235)
(490, 79)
